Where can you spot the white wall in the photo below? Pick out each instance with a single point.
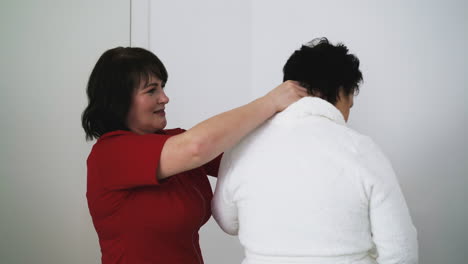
(48, 49)
(221, 54)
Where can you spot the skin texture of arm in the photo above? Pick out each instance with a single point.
(211, 137)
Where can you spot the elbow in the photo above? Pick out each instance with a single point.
(194, 149)
(232, 230)
(227, 223)
(403, 251)
(199, 151)
(225, 220)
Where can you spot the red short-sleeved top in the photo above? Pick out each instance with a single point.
(139, 219)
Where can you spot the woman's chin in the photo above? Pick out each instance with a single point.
(161, 126)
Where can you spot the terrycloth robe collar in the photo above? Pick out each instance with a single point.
(308, 106)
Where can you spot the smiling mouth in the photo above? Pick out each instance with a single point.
(159, 112)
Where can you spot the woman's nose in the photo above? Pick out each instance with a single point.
(163, 99)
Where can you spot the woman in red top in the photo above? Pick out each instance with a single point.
(147, 190)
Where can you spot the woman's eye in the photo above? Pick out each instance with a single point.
(151, 91)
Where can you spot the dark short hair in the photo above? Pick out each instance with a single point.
(110, 87)
(324, 69)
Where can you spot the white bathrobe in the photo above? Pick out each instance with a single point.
(305, 188)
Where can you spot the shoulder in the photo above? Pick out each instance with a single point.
(174, 131)
(120, 142)
(123, 136)
(376, 164)
(365, 145)
(259, 136)
(367, 150)
(362, 144)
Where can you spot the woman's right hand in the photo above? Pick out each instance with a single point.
(206, 140)
(285, 94)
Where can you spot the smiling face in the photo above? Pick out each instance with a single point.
(147, 110)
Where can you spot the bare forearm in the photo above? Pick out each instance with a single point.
(209, 138)
(223, 131)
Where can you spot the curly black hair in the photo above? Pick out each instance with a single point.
(324, 69)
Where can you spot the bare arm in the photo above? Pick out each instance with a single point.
(211, 137)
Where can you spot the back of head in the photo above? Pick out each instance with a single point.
(116, 75)
(324, 69)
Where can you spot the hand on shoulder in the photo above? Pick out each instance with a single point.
(285, 94)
